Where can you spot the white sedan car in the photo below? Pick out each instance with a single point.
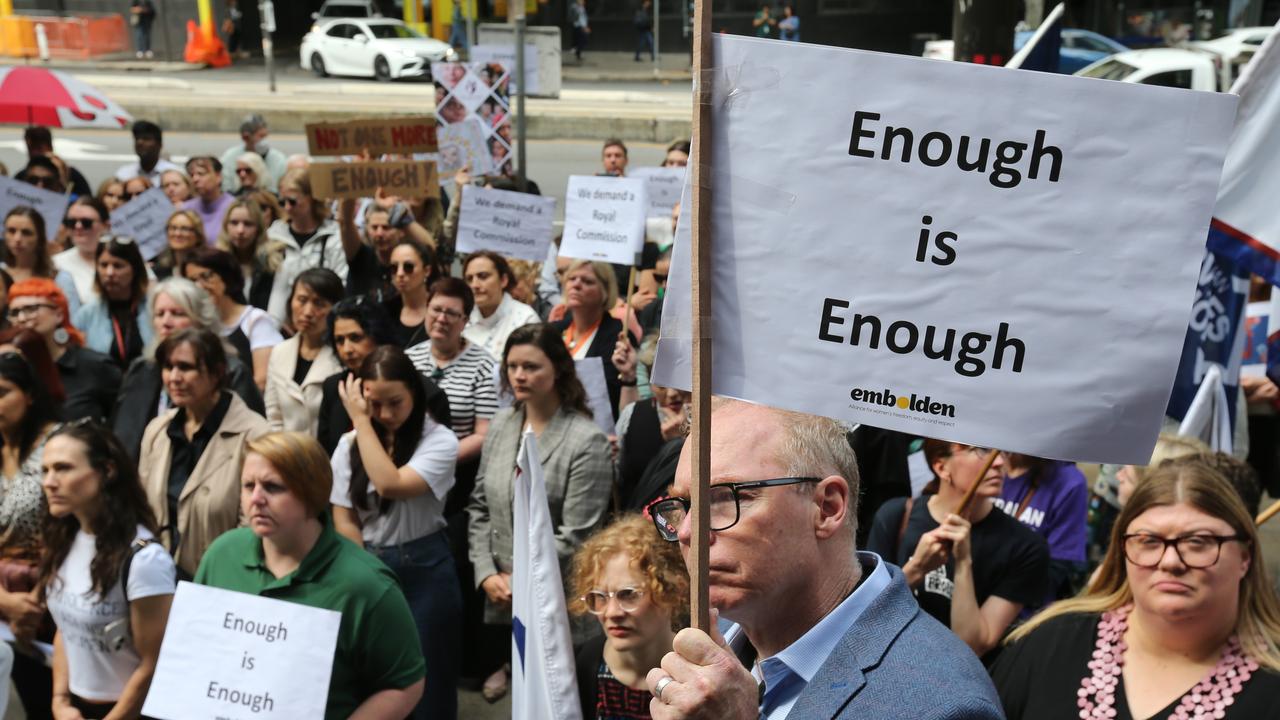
(371, 47)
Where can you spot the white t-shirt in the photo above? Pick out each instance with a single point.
(258, 326)
(99, 672)
(81, 271)
(433, 461)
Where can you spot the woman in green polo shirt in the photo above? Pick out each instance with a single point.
(291, 552)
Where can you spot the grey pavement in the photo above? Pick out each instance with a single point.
(606, 95)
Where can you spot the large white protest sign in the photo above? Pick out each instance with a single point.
(50, 205)
(1009, 262)
(604, 218)
(509, 223)
(663, 185)
(228, 654)
(591, 375)
(144, 219)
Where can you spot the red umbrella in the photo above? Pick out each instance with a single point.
(38, 96)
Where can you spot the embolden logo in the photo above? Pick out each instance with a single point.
(914, 403)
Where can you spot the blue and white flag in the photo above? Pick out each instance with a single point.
(1044, 48)
(1204, 401)
(1246, 226)
(544, 684)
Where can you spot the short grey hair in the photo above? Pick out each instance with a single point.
(252, 124)
(188, 296)
(812, 446)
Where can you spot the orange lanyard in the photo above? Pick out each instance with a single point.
(573, 340)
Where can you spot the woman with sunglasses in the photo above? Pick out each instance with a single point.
(184, 232)
(117, 323)
(539, 373)
(135, 186)
(310, 238)
(412, 270)
(244, 235)
(86, 220)
(251, 174)
(89, 379)
(391, 475)
(25, 253)
(108, 584)
(250, 330)
(1182, 621)
(636, 585)
(972, 571)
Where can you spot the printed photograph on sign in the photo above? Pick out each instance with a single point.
(475, 93)
(1256, 322)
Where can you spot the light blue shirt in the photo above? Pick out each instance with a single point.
(788, 673)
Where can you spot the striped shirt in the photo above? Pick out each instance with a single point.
(468, 381)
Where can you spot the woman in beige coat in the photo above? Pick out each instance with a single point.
(299, 366)
(191, 455)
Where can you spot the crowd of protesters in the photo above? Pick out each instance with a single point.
(322, 403)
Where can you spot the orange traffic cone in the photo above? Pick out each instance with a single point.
(204, 48)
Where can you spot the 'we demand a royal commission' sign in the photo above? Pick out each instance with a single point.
(989, 256)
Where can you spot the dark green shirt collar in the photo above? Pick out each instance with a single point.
(313, 565)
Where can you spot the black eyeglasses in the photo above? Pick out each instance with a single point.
(726, 505)
(72, 223)
(128, 196)
(44, 181)
(287, 201)
(1195, 551)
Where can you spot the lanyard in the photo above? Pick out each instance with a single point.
(120, 345)
(573, 340)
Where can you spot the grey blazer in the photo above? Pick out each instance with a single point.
(579, 473)
(898, 663)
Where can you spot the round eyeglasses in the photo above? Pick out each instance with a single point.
(725, 500)
(598, 600)
(1195, 551)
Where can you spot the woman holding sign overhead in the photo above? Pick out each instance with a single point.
(107, 583)
(291, 552)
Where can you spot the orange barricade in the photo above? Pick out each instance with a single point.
(80, 37)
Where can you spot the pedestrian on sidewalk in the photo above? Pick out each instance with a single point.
(581, 27)
(141, 14)
(764, 22)
(789, 25)
(644, 30)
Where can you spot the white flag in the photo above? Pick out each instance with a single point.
(544, 684)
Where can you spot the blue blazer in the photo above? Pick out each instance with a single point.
(898, 663)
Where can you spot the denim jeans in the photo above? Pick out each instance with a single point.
(430, 583)
(142, 37)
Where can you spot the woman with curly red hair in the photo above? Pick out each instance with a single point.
(636, 585)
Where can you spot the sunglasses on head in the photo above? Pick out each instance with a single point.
(72, 223)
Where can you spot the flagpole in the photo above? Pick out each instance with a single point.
(700, 433)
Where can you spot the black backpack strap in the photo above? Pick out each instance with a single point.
(134, 547)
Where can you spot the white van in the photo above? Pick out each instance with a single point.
(1190, 68)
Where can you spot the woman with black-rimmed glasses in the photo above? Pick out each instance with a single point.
(1181, 622)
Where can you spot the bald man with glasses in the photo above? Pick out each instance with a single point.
(819, 629)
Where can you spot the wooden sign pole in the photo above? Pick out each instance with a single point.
(963, 507)
(700, 212)
(1269, 513)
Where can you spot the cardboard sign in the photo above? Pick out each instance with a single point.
(51, 205)
(379, 136)
(604, 218)
(144, 219)
(509, 223)
(228, 654)
(663, 185)
(1001, 265)
(362, 179)
(591, 375)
